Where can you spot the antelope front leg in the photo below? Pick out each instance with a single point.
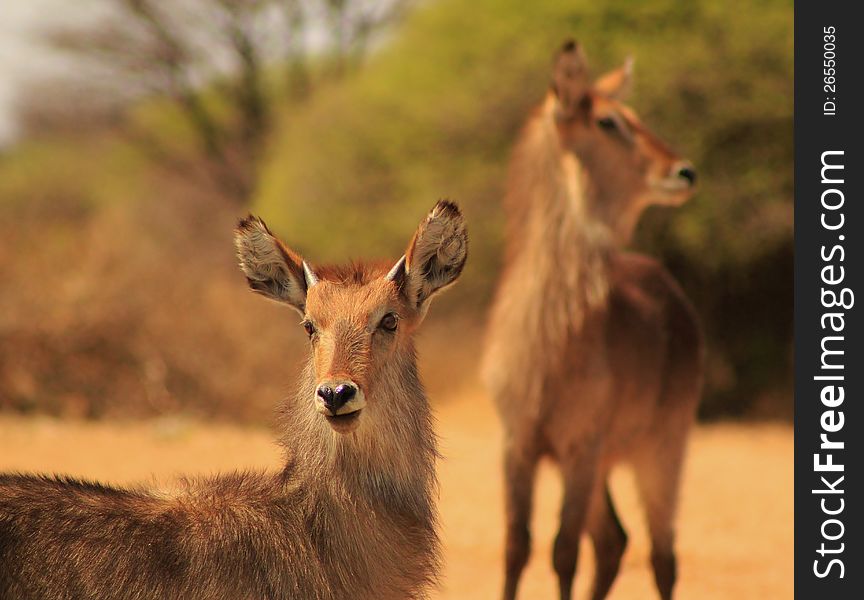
(578, 484)
(520, 465)
(608, 535)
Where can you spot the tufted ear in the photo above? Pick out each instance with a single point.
(617, 82)
(272, 268)
(435, 256)
(570, 78)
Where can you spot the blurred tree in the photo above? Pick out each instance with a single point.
(211, 58)
(352, 24)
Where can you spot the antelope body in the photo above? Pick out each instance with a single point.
(593, 355)
(351, 515)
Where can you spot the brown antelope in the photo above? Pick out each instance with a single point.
(593, 355)
(351, 515)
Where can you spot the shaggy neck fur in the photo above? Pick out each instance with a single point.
(557, 263)
(381, 474)
(393, 451)
(551, 231)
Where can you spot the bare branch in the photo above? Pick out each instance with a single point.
(205, 54)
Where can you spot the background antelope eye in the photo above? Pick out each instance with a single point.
(309, 327)
(607, 123)
(389, 322)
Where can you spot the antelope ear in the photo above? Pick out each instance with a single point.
(272, 268)
(570, 78)
(616, 83)
(435, 256)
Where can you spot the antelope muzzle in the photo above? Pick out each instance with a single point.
(341, 403)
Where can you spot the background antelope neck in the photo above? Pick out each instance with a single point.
(550, 188)
(549, 216)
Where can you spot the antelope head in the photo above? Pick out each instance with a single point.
(628, 167)
(360, 318)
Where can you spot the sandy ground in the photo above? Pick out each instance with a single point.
(735, 526)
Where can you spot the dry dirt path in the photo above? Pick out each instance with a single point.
(735, 527)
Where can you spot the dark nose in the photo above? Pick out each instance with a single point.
(334, 399)
(688, 173)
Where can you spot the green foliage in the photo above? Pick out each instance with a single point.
(436, 111)
(68, 176)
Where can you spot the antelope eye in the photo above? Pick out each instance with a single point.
(607, 124)
(309, 327)
(389, 322)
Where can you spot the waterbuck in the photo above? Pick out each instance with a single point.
(353, 512)
(593, 355)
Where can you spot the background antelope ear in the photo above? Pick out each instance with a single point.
(570, 77)
(435, 256)
(616, 83)
(272, 268)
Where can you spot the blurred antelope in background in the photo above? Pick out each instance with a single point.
(593, 355)
(353, 512)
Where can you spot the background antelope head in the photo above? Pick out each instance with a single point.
(360, 318)
(628, 167)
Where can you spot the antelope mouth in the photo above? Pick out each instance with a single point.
(672, 191)
(345, 422)
(672, 185)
